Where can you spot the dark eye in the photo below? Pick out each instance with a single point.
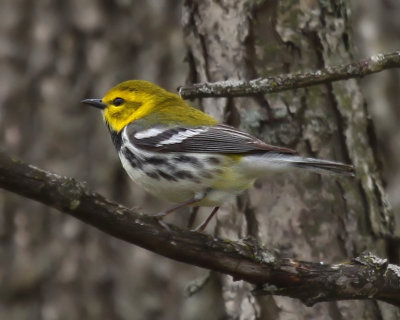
(118, 101)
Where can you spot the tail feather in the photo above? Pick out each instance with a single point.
(324, 166)
(279, 162)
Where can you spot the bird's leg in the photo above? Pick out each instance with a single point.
(196, 198)
(204, 224)
(192, 217)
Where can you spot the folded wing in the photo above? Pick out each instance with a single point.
(202, 139)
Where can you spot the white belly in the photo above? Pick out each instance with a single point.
(178, 178)
(173, 191)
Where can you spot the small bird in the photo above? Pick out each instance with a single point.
(181, 154)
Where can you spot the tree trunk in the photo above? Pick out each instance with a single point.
(55, 53)
(307, 216)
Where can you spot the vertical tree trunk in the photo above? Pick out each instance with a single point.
(311, 217)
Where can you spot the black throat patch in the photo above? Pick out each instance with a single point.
(116, 139)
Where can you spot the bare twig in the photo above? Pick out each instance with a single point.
(366, 277)
(238, 88)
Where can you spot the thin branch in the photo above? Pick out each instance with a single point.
(366, 277)
(238, 88)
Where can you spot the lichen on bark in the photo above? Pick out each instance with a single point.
(303, 214)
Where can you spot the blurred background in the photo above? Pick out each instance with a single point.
(54, 54)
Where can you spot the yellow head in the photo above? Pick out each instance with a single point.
(137, 99)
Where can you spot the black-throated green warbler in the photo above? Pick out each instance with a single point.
(181, 154)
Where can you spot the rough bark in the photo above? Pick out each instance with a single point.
(303, 214)
(254, 87)
(55, 53)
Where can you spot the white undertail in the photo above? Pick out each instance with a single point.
(267, 162)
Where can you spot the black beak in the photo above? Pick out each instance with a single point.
(97, 103)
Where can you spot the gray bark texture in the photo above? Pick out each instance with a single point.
(306, 216)
(55, 53)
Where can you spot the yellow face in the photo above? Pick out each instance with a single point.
(135, 99)
(129, 101)
(121, 109)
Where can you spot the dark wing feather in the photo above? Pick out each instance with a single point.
(216, 139)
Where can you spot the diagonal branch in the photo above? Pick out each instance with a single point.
(239, 88)
(366, 277)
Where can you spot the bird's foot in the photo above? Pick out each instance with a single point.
(159, 216)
